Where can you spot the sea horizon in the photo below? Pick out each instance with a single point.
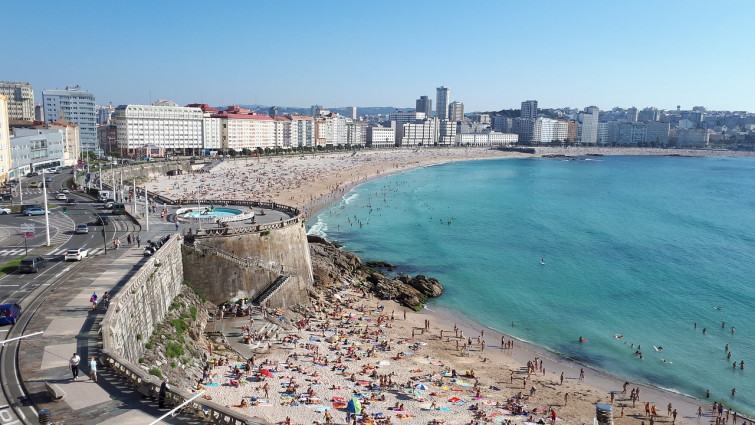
(628, 221)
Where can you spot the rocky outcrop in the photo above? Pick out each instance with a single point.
(331, 267)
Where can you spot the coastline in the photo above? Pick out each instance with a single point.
(597, 384)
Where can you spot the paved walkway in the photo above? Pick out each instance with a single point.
(69, 326)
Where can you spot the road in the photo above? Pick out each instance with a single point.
(30, 290)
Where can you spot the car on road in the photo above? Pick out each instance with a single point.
(6, 196)
(71, 201)
(82, 228)
(5, 210)
(66, 191)
(101, 220)
(76, 254)
(32, 264)
(35, 211)
(61, 197)
(9, 313)
(32, 174)
(34, 184)
(109, 205)
(48, 179)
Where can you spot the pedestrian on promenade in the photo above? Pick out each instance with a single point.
(73, 365)
(128, 239)
(161, 395)
(138, 241)
(93, 300)
(176, 225)
(93, 369)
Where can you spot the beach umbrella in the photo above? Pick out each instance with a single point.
(266, 373)
(420, 387)
(233, 300)
(354, 406)
(333, 338)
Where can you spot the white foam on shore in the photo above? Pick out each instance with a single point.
(319, 229)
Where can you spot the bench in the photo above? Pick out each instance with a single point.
(56, 393)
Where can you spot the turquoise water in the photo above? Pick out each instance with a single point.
(639, 246)
(215, 213)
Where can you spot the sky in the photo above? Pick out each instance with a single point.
(491, 54)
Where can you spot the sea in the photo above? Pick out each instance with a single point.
(632, 253)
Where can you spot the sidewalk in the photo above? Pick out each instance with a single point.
(69, 326)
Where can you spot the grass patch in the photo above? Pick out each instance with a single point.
(10, 266)
(193, 312)
(156, 372)
(174, 350)
(180, 325)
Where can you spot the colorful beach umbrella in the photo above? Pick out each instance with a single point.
(420, 387)
(354, 406)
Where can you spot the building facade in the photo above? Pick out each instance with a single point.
(35, 149)
(424, 105)
(487, 139)
(446, 133)
(176, 129)
(75, 106)
(456, 111)
(244, 129)
(302, 131)
(382, 137)
(589, 119)
(442, 99)
(19, 100)
(529, 110)
(5, 149)
(421, 133)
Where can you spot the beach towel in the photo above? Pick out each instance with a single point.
(211, 384)
(437, 363)
(339, 405)
(323, 408)
(444, 409)
(460, 403)
(453, 399)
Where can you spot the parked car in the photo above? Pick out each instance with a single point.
(76, 254)
(35, 211)
(32, 264)
(25, 207)
(5, 210)
(9, 313)
(6, 196)
(61, 197)
(82, 228)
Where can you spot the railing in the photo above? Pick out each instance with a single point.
(276, 285)
(241, 261)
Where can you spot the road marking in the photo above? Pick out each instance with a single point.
(10, 285)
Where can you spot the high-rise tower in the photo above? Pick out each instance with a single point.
(441, 102)
(425, 104)
(529, 109)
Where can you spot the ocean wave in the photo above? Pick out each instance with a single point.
(351, 199)
(319, 229)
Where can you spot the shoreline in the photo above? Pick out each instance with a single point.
(599, 383)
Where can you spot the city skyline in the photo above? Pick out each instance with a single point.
(297, 55)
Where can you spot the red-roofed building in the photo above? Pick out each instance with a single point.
(203, 106)
(243, 129)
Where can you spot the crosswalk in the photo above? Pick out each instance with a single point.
(13, 252)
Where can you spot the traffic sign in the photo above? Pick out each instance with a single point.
(27, 230)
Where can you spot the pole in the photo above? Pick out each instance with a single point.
(113, 173)
(20, 337)
(146, 206)
(134, 181)
(20, 186)
(47, 215)
(120, 188)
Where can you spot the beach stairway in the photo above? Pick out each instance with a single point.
(271, 289)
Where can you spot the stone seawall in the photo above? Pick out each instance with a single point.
(143, 302)
(245, 264)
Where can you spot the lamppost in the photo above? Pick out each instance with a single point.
(47, 215)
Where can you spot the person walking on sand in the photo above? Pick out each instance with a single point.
(73, 365)
(93, 369)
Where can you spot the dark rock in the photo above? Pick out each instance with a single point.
(379, 265)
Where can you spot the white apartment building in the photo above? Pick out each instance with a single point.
(71, 141)
(247, 131)
(19, 100)
(33, 149)
(456, 111)
(487, 139)
(589, 120)
(212, 133)
(282, 130)
(75, 106)
(602, 133)
(423, 133)
(302, 131)
(173, 128)
(560, 130)
(446, 133)
(692, 138)
(382, 137)
(356, 133)
(5, 149)
(333, 130)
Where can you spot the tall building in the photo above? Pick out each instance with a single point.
(632, 114)
(75, 106)
(169, 128)
(425, 104)
(456, 111)
(589, 119)
(649, 114)
(382, 137)
(273, 111)
(39, 112)
(4, 140)
(442, 99)
(351, 112)
(529, 109)
(20, 100)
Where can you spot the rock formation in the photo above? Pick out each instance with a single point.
(331, 267)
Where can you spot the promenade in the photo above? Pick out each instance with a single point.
(70, 325)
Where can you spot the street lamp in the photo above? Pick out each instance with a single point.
(47, 215)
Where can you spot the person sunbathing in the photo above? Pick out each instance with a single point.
(244, 403)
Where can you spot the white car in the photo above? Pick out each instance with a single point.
(4, 210)
(76, 254)
(66, 191)
(61, 197)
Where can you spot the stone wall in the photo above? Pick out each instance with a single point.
(143, 302)
(244, 264)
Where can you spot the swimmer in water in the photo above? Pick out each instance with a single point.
(582, 339)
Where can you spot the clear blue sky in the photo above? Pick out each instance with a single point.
(491, 54)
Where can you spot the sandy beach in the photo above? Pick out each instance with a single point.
(383, 358)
